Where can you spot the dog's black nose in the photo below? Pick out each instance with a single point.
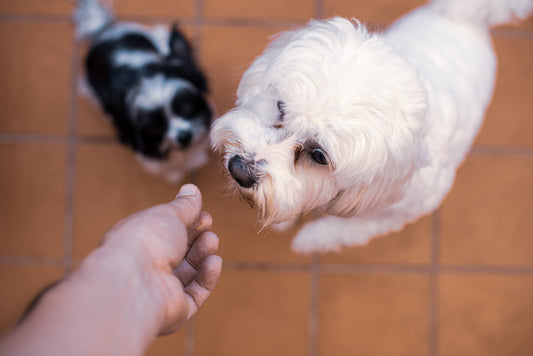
(184, 138)
(241, 171)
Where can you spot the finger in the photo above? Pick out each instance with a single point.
(187, 204)
(205, 246)
(201, 225)
(202, 286)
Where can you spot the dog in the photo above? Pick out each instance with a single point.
(148, 83)
(363, 130)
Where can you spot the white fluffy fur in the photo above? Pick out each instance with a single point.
(396, 113)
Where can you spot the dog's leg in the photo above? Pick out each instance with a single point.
(331, 233)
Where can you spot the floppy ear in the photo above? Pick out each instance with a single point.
(181, 49)
(178, 44)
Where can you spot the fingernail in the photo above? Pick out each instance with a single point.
(188, 189)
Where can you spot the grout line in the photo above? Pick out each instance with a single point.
(40, 261)
(501, 151)
(163, 20)
(314, 307)
(96, 140)
(319, 9)
(53, 139)
(189, 338)
(330, 268)
(516, 33)
(230, 22)
(251, 23)
(198, 23)
(71, 167)
(188, 21)
(380, 268)
(505, 270)
(197, 47)
(34, 18)
(434, 284)
(31, 138)
(157, 20)
(245, 266)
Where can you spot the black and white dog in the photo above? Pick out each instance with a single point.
(147, 81)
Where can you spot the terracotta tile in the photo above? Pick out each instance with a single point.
(20, 284)
(508, 120)
(110, 185)
(34, 94)
(374, 314)
(370, 12)
(156, 8)
(32, 208)
(526, 24)
(294, 10)
(255, 313)
(226, 53)
(412, 245)
(91, 120)
(485, 315)
(486, 219)
(168, 345)
(235, 224)
(36, 7)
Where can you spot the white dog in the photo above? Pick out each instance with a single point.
(367, 129)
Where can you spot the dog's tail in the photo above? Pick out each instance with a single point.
(485, 13)
(91, 17)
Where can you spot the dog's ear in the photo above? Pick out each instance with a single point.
(178, 44)
(181, 49)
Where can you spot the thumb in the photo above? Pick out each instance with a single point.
(188, 204)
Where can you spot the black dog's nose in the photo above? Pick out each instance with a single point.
(184, 138)
(241, 171)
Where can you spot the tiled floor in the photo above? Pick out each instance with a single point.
(459, 282)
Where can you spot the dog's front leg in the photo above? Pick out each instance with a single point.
(331, 233)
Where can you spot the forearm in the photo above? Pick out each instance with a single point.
(136, 285)
(101, 309)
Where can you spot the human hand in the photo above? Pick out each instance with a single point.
(152, 272)
(171, 252)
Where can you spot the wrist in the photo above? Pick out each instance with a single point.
(106, 292)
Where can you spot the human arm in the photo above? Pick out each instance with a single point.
(152, 272)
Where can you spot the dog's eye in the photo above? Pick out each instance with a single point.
(187, 109)
(186, 105)
(319, 156)
(281, 109)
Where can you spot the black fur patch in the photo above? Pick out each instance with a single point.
(113, 83)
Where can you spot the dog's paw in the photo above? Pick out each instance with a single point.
(331, 234)
(313, 238)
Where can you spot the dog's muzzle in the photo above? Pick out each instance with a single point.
(242, 171)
